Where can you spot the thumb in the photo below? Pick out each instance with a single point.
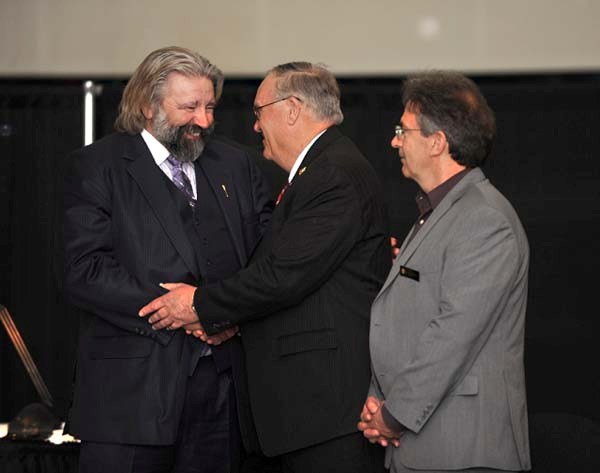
(170, 285)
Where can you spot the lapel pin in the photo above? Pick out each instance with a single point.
(301, 171)
(225, 190)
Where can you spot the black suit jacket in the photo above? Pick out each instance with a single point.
(123, 236)
(304, 301)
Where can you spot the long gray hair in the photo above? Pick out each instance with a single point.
(147, 84)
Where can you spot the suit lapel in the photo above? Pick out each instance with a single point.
(408, 248)
(223, 187)
(151, 182)
(332, 134)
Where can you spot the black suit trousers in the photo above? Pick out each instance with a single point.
(350, 453)
(208, 439)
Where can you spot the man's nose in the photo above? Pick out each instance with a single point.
(256, 126)
(203, 118)
(395, 142)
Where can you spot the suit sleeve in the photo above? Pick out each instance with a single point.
(94, 279)
(476, 280)
(325, 223)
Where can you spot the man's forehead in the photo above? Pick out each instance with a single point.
(408, 117)
(177, 82)
(266, 87)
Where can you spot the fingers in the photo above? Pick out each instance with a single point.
(394, 245)
(222, 337)
(365, 415)
(170, 285)
(158, 315)
(153, 306)
(165, 322)
(373, 404)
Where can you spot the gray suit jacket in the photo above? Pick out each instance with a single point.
(447, 333)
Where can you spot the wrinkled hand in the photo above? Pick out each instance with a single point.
(373, 427)
(173, 309)
(197, 331)
(395, 249)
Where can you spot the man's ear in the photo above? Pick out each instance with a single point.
(439, 143)
(148, 111)
(294, 108)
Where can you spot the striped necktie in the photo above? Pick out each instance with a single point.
(180, 179)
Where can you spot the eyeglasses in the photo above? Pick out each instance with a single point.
(400, 130)
(257, 109)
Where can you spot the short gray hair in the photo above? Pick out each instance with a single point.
(314, 85)
(147, 84)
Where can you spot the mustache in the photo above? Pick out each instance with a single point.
(195, 130)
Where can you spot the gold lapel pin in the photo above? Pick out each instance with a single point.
(225, 190)
(301, 171)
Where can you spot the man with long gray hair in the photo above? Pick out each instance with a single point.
(159, 201)
(303, 302)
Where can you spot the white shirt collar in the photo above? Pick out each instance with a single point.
(157, 149)
(301, 156)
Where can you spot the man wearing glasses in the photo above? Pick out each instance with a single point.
(303, 302)
(447, 328)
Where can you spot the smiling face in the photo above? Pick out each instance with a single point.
(185, 117)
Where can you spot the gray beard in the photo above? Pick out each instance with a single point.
(173, 138)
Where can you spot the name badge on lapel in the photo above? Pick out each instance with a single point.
(409, 273)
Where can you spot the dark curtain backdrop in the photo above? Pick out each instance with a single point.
(545, 161)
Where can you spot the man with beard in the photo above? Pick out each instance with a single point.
(158, 201)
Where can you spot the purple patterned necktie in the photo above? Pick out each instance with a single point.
(180, 179)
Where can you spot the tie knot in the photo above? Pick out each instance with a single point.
(174, 163)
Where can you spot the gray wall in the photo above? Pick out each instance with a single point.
(353, 37)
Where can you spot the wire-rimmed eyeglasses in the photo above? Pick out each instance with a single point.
(399, 130)
(257, 108)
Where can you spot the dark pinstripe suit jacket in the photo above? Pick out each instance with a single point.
(123, 235)
(304, 301)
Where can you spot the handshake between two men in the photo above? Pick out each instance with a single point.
(175, 309)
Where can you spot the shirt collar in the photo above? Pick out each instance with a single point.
(429, 201)
(301, 156)
(157, 149)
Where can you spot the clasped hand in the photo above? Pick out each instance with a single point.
(174, 310)
(373, 426)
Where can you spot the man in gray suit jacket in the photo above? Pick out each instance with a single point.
(447, 328)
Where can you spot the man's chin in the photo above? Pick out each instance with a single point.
(267, 154)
